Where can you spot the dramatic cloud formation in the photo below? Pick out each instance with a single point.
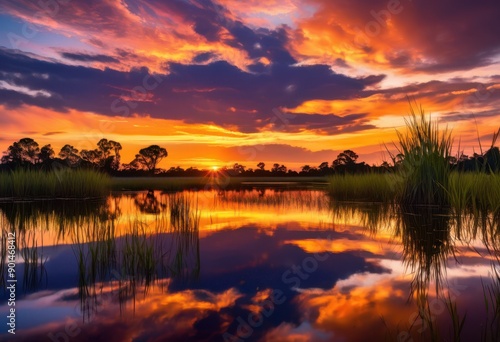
(421, 36)
(309, 74)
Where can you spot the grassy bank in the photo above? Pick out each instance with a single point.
(422, 174)
(475, 190)
(29, 184)
(362, 187)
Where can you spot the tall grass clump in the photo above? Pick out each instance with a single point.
(424, 169)
(26, 183)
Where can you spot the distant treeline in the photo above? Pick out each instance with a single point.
(26, 153)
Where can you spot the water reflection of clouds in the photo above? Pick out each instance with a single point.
(362, 286)
(243, 263)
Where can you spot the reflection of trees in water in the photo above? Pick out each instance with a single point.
(143, 252)
(145, 255)
(148, 203)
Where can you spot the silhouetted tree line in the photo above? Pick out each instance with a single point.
(26, 153)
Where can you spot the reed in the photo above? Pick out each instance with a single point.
(26, 183)
(457, 320)
(34, 272)
(184, 224)
(364, 187)
(465, 191)
(138, 253)
(425, 167)
(423, 174)
(3, 253)
(184, 213)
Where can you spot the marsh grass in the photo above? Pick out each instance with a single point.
(3, 253)
(34, 272)
(422, 173)
(184, 213)
(138, 255)
(29, 184)
(142, 253)
(473, 191)
(364, 187)
(185, 249)
(425, 167)
(457, 321)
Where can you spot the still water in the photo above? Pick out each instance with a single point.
(249, 265)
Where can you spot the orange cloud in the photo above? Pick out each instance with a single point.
(134, 35)
(400, 35)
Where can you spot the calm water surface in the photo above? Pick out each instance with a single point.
(253, 265)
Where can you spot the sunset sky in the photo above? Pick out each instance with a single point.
(217, 82)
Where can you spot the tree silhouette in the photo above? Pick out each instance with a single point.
(94, 157)
(70, 155)
(323, 166)
(25, 151)
(149, 157)
(261, 166)
(148, 203)
(46, 154)
(347, 157)
(238, 168)
(279, 168)
(110, 154)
